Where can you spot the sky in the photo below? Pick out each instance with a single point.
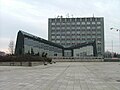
(32, 16)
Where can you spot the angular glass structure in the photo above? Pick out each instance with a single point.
(29, 44)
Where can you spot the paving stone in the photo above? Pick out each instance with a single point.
(62, 76)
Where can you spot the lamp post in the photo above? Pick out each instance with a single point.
(119, 35)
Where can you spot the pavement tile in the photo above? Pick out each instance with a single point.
(62, 76)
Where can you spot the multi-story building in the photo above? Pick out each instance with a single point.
(72, 31)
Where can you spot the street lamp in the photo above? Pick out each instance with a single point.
(119, 34)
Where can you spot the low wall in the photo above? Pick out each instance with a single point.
(78, 60)
(20, 63)
(112, 60)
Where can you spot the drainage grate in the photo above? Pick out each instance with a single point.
(118, 80)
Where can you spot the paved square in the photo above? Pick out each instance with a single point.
(62, 76)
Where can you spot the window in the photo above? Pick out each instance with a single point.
(53, 28)
(53, 23)
(53, 36)
(57, 41)
(73, 32)
(83, 23)
(99, 48)
(68, 27)
(57, 23)
(73, 20)
(68, 32)
(78, 19)
(67, 23)
(57, 36)
(83, 38)
(83, 27)
(99, 35)
(88, 19)
(73, 23)
(73, 36)
(99, 30)
(78, 23)
(58, 19)
(53, 20)
(78, 27)
(63, 20)
(93, 19)
(98, 22)
(67, 19)
(93, 27)
(98, 19)
(63, 36)
(63, 27)
(53, 41)
(88, 38)
(78, 32)
(99, 39)
(93, 22)
(88, 27)
(78, 36)
(73, 27)
(98, 27)
(88, 23)
(83, 19)
(62, 23)
(52, 32)
(58, 28)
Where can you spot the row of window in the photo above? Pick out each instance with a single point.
(76, 23)
(75, 30)
(83, 34)
(70, 39)
(75, 19)
(63, 28)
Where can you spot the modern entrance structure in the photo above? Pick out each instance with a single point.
(30, 44)
(72, 31)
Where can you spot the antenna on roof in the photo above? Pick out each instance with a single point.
(72, 15)
(67, 15)
(93, 15)
(61, 16)
(58, 16)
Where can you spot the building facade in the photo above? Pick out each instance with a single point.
(71, 31)
(29, 44)
(87, 49)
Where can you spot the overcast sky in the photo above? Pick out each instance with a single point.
(32, 16)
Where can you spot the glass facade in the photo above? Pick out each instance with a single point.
(29, 44)
(36, 45)
(84, 51)
(39, 47)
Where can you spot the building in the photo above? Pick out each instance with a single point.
(29, 44)
(71, 31)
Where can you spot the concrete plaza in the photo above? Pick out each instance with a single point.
(62, 76)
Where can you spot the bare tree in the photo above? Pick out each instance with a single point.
(11, 47)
